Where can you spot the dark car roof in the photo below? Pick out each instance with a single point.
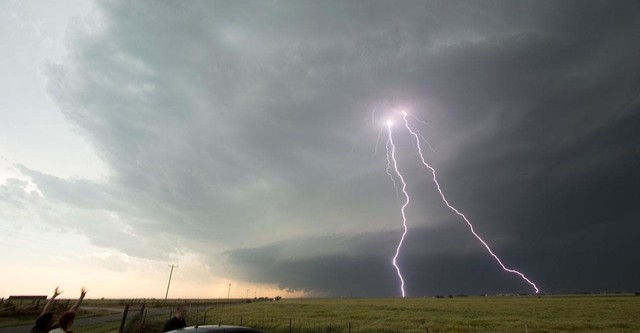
(216, 329)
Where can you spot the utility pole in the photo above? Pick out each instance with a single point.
(229, 292)
(168, 284)
(247, 293)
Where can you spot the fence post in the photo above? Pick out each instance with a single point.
(144, 317)
(349, 327)
(240, 320)
(289, 325)
(124, 318)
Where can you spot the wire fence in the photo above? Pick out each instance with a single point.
(305, 325)
(285, 324)
(138, 317)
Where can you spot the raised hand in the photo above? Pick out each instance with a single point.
(56, 292)
(49, 306)
(76, 306)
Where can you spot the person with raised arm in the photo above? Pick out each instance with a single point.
(46, 321)
(76, 306)
(66, 319)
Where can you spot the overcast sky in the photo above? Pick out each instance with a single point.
(245, 142)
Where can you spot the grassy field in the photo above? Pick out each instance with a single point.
(463, 314)
(529, 314)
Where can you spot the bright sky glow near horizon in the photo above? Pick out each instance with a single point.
(235, 139)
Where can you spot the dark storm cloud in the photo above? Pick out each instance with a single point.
(246, 127)
(445, 260)
(329, 265)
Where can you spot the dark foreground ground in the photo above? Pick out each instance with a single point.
(602, 313)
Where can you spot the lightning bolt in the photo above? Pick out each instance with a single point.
(389, 166)
(392, 154)
(435, 180)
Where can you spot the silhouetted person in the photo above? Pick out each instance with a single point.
(177, 321)
(65, 321)
(47, 320)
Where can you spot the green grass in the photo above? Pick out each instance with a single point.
(464, 314)
(588, 314)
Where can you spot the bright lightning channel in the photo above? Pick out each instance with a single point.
(406, 203)
(435, 180)
(389, 166)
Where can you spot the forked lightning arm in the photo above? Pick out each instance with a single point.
(435, 180)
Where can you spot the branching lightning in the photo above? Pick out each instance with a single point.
(389, 166)
(391, 161)
(406, 203)
(435, 181)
